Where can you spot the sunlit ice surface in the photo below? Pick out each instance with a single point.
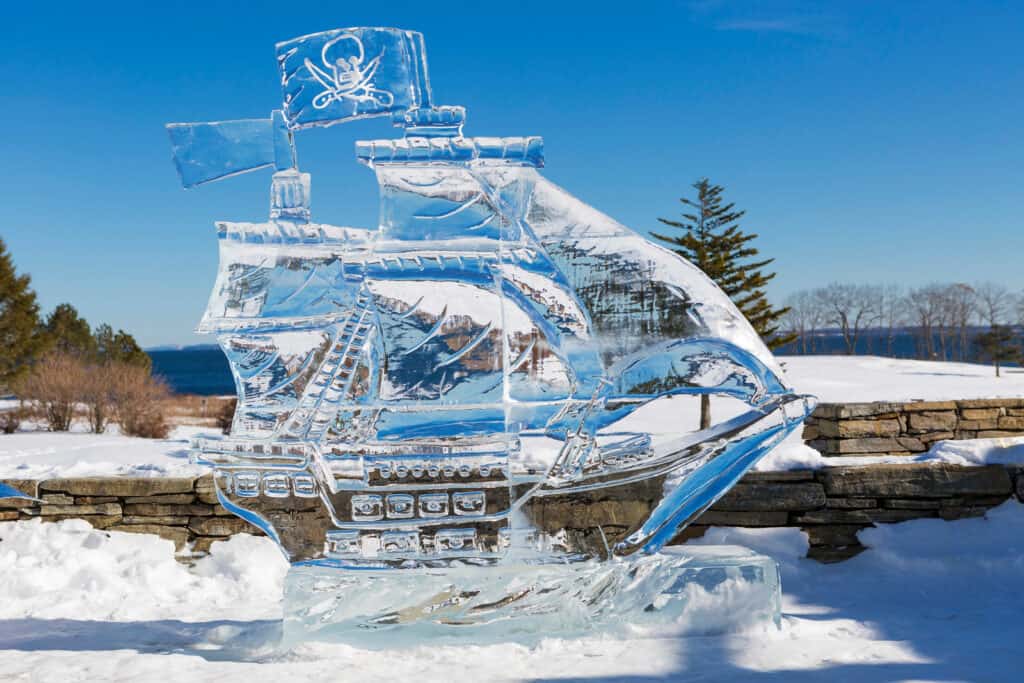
(441, 388)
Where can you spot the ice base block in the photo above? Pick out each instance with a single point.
(688, 590)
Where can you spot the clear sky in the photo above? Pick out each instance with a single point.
(868, 141)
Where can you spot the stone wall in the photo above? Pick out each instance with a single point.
(866, 429)
(182, 510)
(832, 505)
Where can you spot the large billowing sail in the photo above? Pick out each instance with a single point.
(649, 304)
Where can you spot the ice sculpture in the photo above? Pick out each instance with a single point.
(459, 385)
(8, 492)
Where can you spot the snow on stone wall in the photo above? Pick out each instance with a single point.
(908, 428)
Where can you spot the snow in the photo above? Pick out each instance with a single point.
(854, 379)
(45, 455)
(930, 601)
(794, 454)
(1005, 451)
(68, 570)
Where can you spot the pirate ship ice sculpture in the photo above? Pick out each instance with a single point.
(451, 388)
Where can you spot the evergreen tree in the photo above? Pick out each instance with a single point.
(712, 240)
(19, 321)
(998, 345)
(68, 332)
(103, 338)
(119, 347)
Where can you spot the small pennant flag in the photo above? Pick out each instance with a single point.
(204, 152)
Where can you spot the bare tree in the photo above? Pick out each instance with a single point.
(994, 302)
(942, 313)
(924, 311)
(804, 318)
(852, 308)
(892, 308)
(961, 306)
(941, 316)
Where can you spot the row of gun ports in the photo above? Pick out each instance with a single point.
(373, 507)
(272, 484)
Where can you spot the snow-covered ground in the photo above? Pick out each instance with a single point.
(931, 601)
(849, 379)
(43, 455)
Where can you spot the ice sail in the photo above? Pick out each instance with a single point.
(445, 386)
(661, 322)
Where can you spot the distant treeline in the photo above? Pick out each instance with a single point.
(901, 343)
(940, 321)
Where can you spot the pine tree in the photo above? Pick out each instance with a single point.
(997, 345)
(68, 332)
(712, 240)
(119, 347)
(19, 322)
(103, 338)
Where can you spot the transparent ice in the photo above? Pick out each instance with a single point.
(465, 384)
(9, 492)
(696, 590)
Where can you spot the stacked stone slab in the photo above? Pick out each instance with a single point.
(831, 505)
(871, 429)
(181, 510)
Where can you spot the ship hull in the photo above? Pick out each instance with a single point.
(412, 509)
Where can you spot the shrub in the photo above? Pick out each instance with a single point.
(97, 393)
(120, 390)
(148, 424)
(54, 383)
(11, 419)
(137, 399)
(226, 416)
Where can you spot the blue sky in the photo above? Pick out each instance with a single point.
(868, 141)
